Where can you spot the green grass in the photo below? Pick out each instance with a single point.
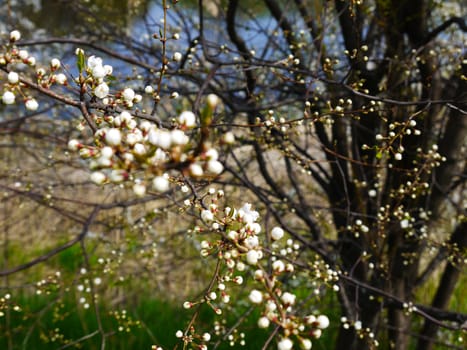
(150, 321)
(42, 317)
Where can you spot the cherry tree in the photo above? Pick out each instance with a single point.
(307, 151)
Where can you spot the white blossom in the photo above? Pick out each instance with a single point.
(187, 118)
(13, 78)
(98, 72)
(107, 152)
(288, 298)
(278, 266)
(139, 149)
(73, 145)
(207, 215)
(252, 242)
(322, 321)
(285, 344)
(23, 54)
(108, 69)
(15, 35)
(228, 138)
(232, 235)
(160, 183)
(306, 344)
(94, 61)
(132, 139)
(310, 319)
(212, 100)
(149, 89)
(128, 95)
(139, 189)
(31, 104)
(177, 57)
(178, 137)
(55, 63)
(60, 78)
(160, 138)
(215, 167)
(113, 137)
(277, 233)
(256, 296)
(253, 227)
(212, 154)
(263, 322)
(101, 90)
(117, 176)
(404, 223)
(316, 333)
(252, 257)
(8, 98)
(195, 170)
(247, 215)
(98, 178)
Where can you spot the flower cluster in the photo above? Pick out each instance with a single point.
(240, 245)
(130, 148)
(11, 59)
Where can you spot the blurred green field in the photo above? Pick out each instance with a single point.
(52, 325)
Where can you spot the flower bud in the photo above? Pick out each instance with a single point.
(305, 344)
(285, 344)
(277, 233)
(139, 190)
(207, 215)
(252, 257)
(196, 170)
(160, 184)
(178, 137)
(97, 177)
(60, 78)
(13, 78)
(212, 100)
(73, 145)
(215, 167)
(31, 104)
(288, 298)
(187, 118)
(113, 137)
(228, 138)
(15, 35)
(23, 54)
(55, 63)
(8, 98)
(263, 322)
(322, 321)
(256, 297)
(177, 57)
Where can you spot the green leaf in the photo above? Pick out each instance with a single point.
(80, 61)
